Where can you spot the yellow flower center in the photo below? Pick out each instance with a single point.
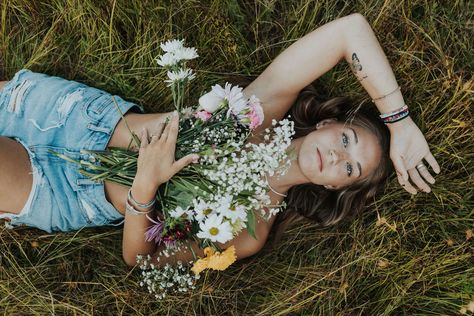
(232, 208)
(207, 211)
(214, 231)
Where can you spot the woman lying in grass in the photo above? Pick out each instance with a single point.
(342, 157)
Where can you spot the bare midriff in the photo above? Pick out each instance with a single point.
(17, 179)
(2, 83)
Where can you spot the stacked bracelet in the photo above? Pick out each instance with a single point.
(396, 115)
(132, 210)
(140, 205)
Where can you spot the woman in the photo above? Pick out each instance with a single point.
(336, 155)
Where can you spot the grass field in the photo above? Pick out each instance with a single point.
(407, 255)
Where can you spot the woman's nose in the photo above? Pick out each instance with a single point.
(338, 156)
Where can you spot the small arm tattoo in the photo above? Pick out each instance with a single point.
(357, 67)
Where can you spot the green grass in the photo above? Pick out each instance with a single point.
(403, 267)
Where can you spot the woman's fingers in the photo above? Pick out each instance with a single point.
(400, 167)
(433, 163)
(425, 173)
(157, 133)
(415, 177)
(165, 134)
(144, 138)
(183, 162)
(173, 130)
(406, 185)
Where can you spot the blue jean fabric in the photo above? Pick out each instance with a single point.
(46, 113)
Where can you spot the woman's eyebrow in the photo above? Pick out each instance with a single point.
(355, 135)
(356, 141)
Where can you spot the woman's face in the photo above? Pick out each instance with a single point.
(337, 154)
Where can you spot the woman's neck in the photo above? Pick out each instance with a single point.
(294, 176)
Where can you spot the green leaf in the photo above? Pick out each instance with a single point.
(184, 199)
(251, 224)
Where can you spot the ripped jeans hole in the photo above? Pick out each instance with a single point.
(63, 108)
(17, 95)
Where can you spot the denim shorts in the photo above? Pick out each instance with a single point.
(45, 113)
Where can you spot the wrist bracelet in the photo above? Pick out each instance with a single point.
(384, 96)
(129, 209)
(402, 109)
(395, 116)
(140, 205)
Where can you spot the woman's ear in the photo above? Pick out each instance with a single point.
(330, 187)
(325, 122)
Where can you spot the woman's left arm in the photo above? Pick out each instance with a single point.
(350, 38)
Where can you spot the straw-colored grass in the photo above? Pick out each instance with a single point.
(407, 255)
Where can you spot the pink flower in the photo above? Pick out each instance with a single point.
(203, 115)
(256, 112)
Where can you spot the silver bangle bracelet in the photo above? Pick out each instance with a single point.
(140, 205)
(129, 209)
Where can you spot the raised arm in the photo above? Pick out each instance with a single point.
(350, 38)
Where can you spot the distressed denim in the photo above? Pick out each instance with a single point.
(45, 113)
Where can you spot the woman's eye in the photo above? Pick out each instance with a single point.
(345, 140)
(348, 169)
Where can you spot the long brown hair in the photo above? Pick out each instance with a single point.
(314, 202)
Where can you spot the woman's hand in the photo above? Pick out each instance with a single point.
(156, 156)
(408, 148)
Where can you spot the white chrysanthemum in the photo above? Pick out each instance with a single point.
(167, 59)
(185, 53)
(180, 75)
(233, 212)
(172, 45)
(215, 229)
(233, 95)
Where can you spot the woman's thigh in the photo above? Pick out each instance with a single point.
(16, 179)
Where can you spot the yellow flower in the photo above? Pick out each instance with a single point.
(215, 261)
(221, 261)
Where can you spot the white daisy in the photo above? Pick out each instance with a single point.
(185, 53)
(178, 211)
(202, 210)
(215, 229)
(172, 45)
(180, 75)
(167, 59)
(231, 211)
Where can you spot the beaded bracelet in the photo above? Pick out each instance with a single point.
(395, 116)
(140, 205)
(129, 209)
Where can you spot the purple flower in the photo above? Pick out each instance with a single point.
(169, 241)
(154, 232)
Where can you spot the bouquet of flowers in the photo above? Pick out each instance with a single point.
(212, 201)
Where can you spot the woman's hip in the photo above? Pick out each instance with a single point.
(46, 110)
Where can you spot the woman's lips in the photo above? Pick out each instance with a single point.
(320, 160)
